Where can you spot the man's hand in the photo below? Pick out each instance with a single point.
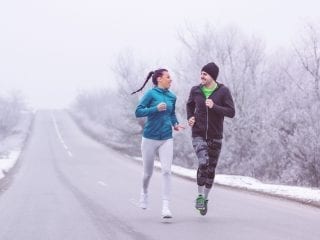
(162, 107)
(209, 103)
(191, 121)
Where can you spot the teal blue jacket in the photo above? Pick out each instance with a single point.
(159, 124)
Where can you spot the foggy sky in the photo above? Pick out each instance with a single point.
(50, 49)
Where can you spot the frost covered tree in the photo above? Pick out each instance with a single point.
(11, 107)
(290, 150)
(114, 109)
(130, 76)
(304, 141)
(241, 62)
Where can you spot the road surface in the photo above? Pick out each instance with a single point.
(69, 187)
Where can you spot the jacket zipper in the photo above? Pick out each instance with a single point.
(164, 100)
(207, 110)
(207, 122)
(207, 116)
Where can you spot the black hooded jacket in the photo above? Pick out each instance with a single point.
(209, 122)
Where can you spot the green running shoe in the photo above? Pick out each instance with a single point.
(200, 202)
(205, 209)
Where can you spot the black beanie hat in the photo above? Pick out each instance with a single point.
(212, 69)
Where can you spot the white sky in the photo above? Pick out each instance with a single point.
(50, 49)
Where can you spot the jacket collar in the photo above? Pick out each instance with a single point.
(218, 86)
(161, 90)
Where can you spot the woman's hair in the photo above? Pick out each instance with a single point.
(155, 74)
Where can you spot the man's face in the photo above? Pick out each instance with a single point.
(205, 78)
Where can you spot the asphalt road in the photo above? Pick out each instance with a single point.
(68, 186)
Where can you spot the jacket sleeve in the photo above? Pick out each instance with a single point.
(228, 109)
(190, 105)
(174, 119)
(144, 109)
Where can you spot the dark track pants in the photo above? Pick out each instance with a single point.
(208, 152)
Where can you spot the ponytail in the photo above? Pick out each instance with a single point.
(145, 82)
(154, 74)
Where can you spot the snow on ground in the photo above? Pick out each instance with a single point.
(300, 194)
(7, 161)
(11, 146)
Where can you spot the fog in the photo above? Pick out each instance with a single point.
(51, 50)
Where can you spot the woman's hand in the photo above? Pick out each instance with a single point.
(178, 127)
(162, 106)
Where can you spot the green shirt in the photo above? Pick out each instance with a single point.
(208, 91)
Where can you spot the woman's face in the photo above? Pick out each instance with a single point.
(164, 81)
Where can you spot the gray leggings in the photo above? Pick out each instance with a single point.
(149, 148)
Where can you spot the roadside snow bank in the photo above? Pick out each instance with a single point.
(7, 162)
(301, 194)
(11, 146)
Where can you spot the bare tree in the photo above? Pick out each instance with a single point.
(130, 74)
(11, 108)
(114, 109)
(308, 53)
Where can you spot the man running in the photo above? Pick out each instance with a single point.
(207, 106)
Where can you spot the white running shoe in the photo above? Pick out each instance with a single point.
(166, 213)
(143, 202)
